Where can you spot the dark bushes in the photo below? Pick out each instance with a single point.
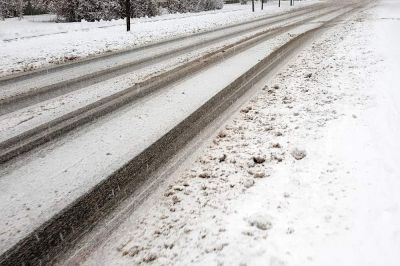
(92, 10)
(183, 6)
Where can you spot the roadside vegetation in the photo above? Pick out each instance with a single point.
(95, 10)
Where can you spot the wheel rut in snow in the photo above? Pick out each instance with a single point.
(41, 134)
(31, 88)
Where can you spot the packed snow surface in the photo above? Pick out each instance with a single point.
(17, 122)
(41, 184)
(306, 173)
(38, 41)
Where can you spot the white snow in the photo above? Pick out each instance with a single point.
(34, 42)
(37, 186)
(338, 204)
(27, 118)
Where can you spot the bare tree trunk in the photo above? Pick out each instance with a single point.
(128, 14)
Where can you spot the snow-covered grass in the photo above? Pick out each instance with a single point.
(250, 199)
(37, 41)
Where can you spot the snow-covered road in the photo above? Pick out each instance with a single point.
(37, 187)
(28, 44)
(85, 93)
(306, 173)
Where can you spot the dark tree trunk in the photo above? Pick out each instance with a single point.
(128, 14)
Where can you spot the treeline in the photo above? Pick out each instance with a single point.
(92, 10)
